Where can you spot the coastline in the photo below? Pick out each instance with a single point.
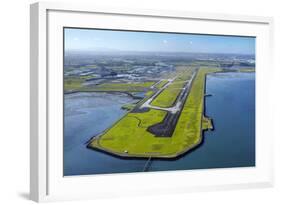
(95, 139)
(109, 92)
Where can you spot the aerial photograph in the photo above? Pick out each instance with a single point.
(143, 101)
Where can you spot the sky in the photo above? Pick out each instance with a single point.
(109, 40)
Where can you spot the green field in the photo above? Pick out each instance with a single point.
(190, 122)
(126, 87)
(161, 84)
(76, 84)
(73, 84)
(129, 137)
(168, 96)
(129, 133)
(247, 70)
(207, 123)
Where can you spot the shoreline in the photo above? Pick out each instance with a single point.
(107, 92)
(95, 139)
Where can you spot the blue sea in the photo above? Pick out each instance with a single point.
(231, 144)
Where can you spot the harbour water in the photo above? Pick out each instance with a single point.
(86, 115)
(232, 143)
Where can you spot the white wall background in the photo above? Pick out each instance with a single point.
(14, 101)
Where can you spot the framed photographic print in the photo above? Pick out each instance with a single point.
(127, 102)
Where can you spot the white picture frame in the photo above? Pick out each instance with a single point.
(46, 181)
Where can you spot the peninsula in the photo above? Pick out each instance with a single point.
(167, 123)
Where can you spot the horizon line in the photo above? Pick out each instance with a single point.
(135, 51)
